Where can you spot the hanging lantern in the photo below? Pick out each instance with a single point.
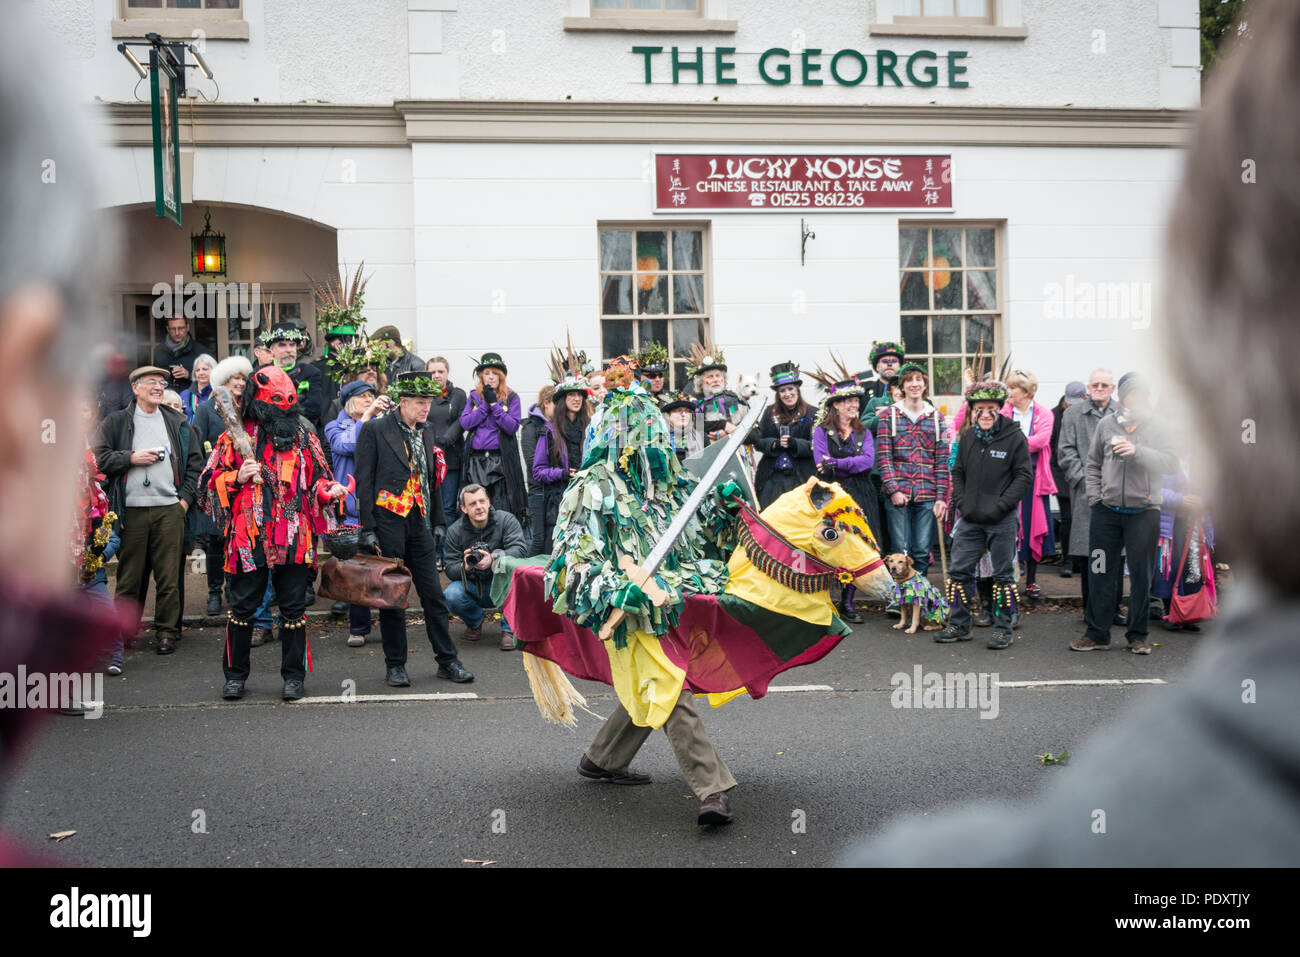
(208, 250)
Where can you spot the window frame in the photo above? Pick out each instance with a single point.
(1005, 21)
(998, 315)
(216, 23)
(933, 19)
(627, 11)
(676, 365)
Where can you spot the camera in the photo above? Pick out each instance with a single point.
(477, 552)
(162, 452)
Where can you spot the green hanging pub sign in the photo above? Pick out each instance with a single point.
(164, 74)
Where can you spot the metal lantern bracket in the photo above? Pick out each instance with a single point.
(174, 52)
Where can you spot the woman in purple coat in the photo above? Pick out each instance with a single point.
(491, 456)
(359, 405)
(843, 452)
(559, 453)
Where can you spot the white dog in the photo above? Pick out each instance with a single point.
(747, 386)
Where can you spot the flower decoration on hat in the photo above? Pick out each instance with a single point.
(988, 390)
(569, 369)
(668, 401)
(653, 358)
(887, 348)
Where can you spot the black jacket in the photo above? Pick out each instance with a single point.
(311, 392)
(503, 535)
(112, 448)
(165, 359)
(444, 419)
(770, 483)
(988, 481)
(381, 463)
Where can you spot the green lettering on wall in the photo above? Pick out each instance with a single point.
(954, 70)
(697, 65)
(885, 62)
(862, 67)
(647, 52)
(721, 64)
(810, 68)
(783, 69)
(931, 73)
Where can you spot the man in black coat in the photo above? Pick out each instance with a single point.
(444, 419)
(178, 351)
(284, 340)
(397, 472)
(992, 473)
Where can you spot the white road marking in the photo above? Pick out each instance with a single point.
(1080, 681)
(433, 696)
(800, 688)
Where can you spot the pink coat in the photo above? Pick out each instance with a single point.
(1040, 441)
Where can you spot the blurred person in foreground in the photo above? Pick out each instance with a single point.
(50, 320)
(1210, 778)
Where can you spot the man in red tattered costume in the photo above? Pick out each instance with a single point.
(269, 488)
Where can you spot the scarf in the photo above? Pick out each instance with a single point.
(986, 435)
(176, 348)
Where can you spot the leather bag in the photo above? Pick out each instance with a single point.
(370, 580)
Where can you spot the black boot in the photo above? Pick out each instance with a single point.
(214, 603)
(846, 609)
(985, 588)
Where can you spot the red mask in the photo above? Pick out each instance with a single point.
(272, 385)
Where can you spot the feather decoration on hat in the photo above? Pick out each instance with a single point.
(703, 354)
(567, 364)
(339, 303)
(839, 373)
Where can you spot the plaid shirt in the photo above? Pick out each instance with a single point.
(913, 456)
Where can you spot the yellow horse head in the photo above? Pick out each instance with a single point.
(821, 521)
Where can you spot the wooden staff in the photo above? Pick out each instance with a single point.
(225, 403)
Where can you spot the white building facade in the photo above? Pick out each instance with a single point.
(505, 169)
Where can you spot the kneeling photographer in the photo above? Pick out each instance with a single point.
(475, 540)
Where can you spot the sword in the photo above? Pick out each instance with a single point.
(643, 575)
(225, 403)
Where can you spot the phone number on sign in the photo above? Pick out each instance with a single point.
(818, 199)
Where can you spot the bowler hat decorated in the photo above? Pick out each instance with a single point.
(652, 359)
(989, 390)
(284, 331)
(491, 360)
(416, 384)
(785, 373)
(674, 400)
(881, 349)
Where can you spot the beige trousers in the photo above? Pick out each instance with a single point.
(619, 740)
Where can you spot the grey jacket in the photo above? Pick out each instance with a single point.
(503, 535)
(1132, 481)
(1078, 424)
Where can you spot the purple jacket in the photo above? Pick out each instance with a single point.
(846, 466)
(1172, 491)
(503, 417)
(542, 470)
(341, 434)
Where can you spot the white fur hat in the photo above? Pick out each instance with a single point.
(227, 367)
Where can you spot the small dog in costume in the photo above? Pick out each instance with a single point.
(914, 593)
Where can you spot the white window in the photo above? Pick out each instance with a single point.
(955, 12)
(949, 298)
(654, 287)
(615, 8)
(178, 19)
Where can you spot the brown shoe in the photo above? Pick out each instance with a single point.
(260, 635)
(588, 769)
(507, 641)
(716, 809)
(1140, 648)
(1087, 644)
(473, 634)
(166, 645)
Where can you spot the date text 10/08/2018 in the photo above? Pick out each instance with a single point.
(846, 67)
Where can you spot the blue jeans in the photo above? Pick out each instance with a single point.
(97, 592)
(262, 616)
(469, 600)
(447, 492)
(912, 530)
